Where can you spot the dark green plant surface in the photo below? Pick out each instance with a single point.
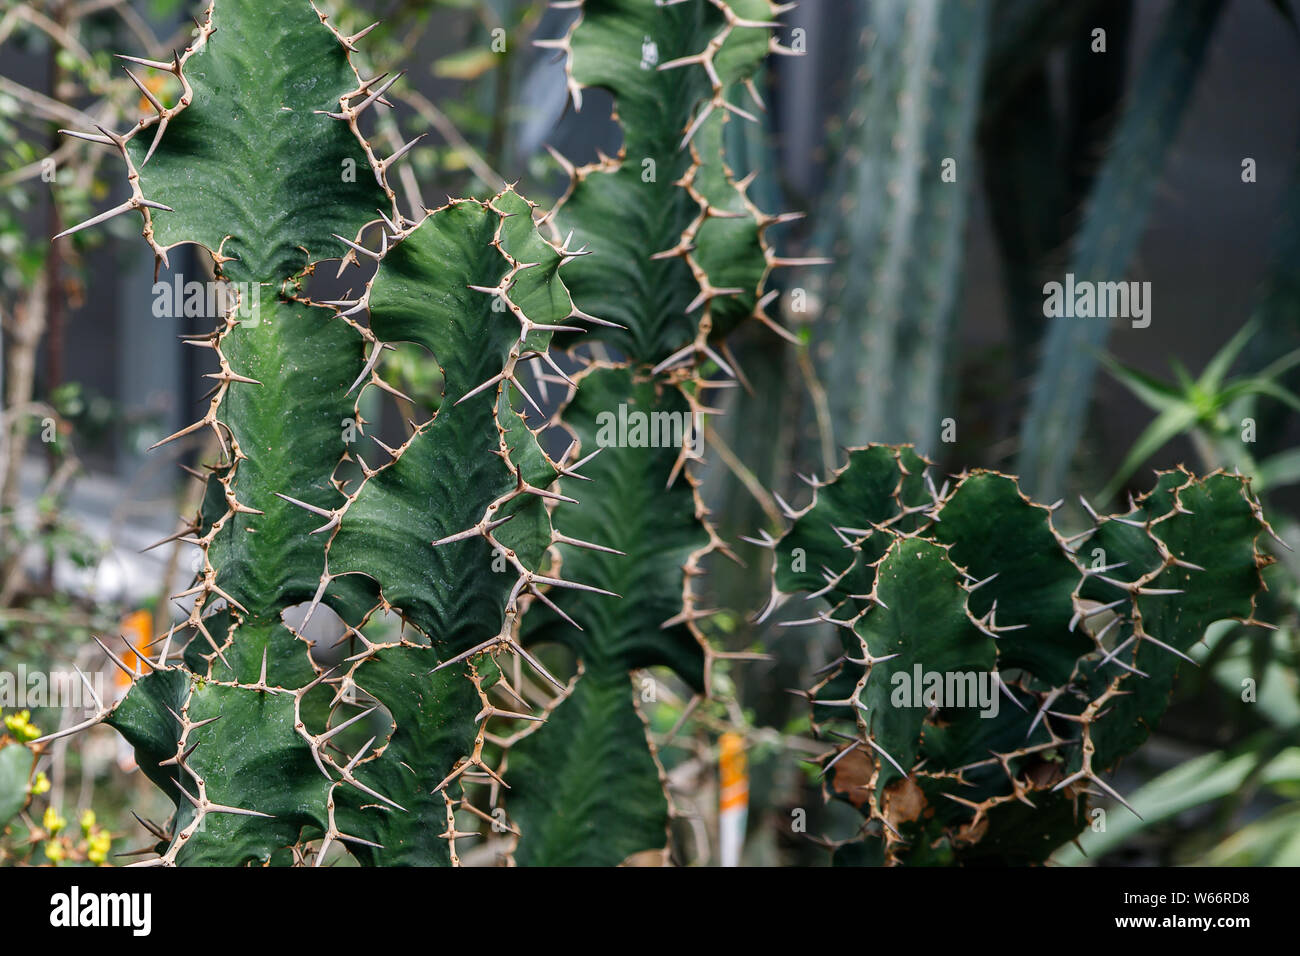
(904, 185)
(679, 259)
(1084, 635)
(465, 554)
(259, 745)
(15, 770)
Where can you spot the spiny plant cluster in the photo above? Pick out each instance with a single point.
(258, 743)
(470, 532)
(1083, 636)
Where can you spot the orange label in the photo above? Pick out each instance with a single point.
(137, 629)
(733, 772)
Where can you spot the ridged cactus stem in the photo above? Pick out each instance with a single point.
(270, 754)
(680, 259)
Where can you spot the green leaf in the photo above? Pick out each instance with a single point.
(1212, 377)
(1272, 841)
(1202, 780)
(1279, 471)
(1170, 423)
(1281, 365)
(1153, 392)
(15, 771)
(1262, 386)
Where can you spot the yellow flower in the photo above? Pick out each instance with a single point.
(21, 726)
(87, 821)
(52, 821)
(41, 784)
(54, 851)
(99, 846)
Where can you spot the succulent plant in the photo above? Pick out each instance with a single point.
(246, 730)
(263, 162)
(1108, 236)
(680, 259)
(902, 185)
(469, 534)
(1075, 641)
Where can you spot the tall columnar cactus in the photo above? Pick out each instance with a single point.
(680, 259)
(897, 208)
(1076, 643)
(262, 161)
(1112, 227)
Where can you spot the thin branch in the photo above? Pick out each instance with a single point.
(447, 129)
(745, 477)
(821, 408)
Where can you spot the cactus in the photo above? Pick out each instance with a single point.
(1082, 636)
(680, 259)
(467, 532)
(246, 732)
(1276, 307)
(258, 744)
(1113, 224)
(896, 209)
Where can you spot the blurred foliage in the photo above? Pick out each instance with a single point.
(1214, 411)
(32, 838)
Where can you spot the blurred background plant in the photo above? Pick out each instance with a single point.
(1236, 804)
(952, 155)
(52, 596)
